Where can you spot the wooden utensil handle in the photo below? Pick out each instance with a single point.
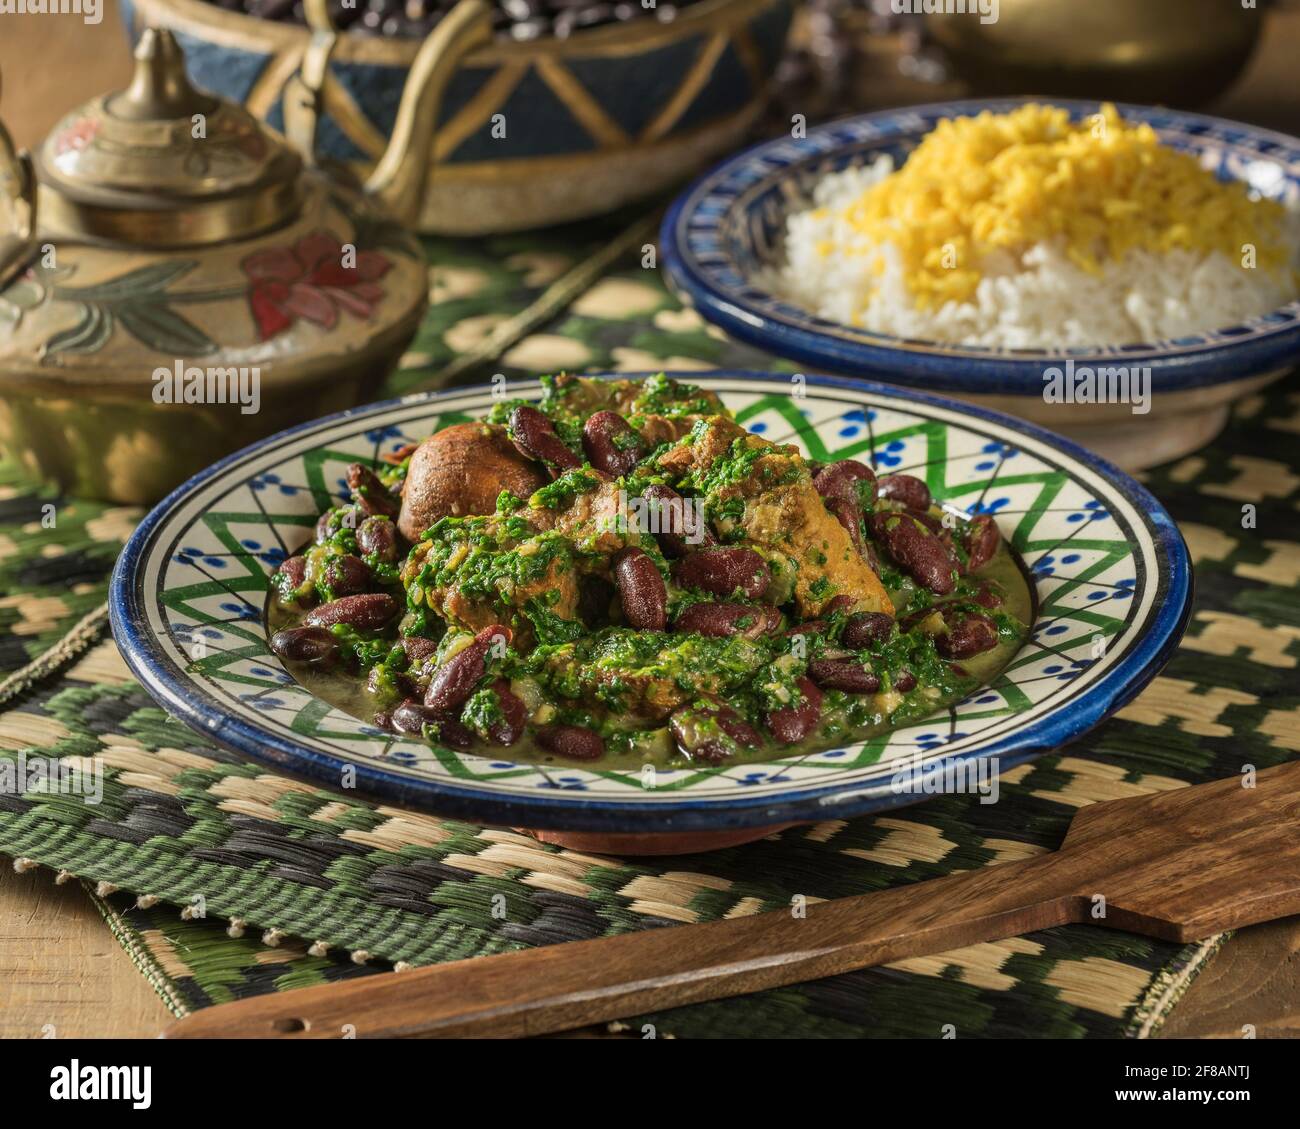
(558, 987)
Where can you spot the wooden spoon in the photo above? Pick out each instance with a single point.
(1177, 865)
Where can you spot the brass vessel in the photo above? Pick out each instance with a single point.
(1174, 52)
(177, 280)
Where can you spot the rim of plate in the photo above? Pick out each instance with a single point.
(700, 268)
(158, 669)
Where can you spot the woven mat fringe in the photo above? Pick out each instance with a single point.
(249, 900)
(140, 956)
(88, 631)
(1164, 992)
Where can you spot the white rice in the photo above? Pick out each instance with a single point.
(1040, 301)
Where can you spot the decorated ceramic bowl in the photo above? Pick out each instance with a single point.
(728, 226)
(530, 133)
(1109, 572)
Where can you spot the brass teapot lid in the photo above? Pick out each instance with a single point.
(162, 164)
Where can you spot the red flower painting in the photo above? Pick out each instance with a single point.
(310, 281)
(76, 136)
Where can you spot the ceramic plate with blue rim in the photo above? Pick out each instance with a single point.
(728, 225)
(1108, 568)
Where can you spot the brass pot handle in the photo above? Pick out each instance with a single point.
(18, 197)
(304, 93)
(400, 174)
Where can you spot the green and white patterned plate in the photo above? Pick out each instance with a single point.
(1109, 569)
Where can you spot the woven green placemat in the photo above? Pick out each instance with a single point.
(209, 847)
(321, 886)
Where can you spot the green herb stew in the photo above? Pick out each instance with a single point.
(623, 574)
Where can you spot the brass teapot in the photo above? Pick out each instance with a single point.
(177, 280)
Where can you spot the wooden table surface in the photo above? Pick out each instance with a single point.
(63, 975)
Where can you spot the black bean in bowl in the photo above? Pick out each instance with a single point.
(518, 20)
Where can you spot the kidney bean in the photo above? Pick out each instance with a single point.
(968, 635)
(847, 480)
(292, 572)
(314, 645)
(905, 683)
(641, 590)
(721, 572)
(411, 717)
(371, 494)
(869, 554)
(347, 575)
(943, 528)
(511, 727)
(378, 535)
(737, 728)
(730, 722)
(820, 626)
(712, 751)
(904, 488)
(988, 595)
(453, 734)
(944, 535)
(720, 620)
(576, 742)
(849, 515)
(290, 582)
(843, 674)
(367, 612)
(417, 648)
(808, 628)
(455, 679)
(681, 527)
(920, 615)
(383, 720)
(534, 436)
(917, 551)
(791, 724)
(331, 521)
(981, 542)
(684, 725)
(864, 628)
(611, 445)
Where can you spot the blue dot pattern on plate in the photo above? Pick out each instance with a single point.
(888, 455)
(191, 556)
(1092, 511)
(267, 481)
